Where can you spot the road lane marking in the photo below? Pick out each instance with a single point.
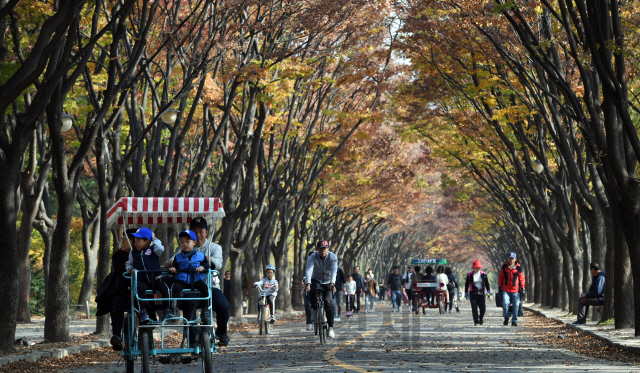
(330, 355)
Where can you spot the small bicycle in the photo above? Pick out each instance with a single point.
(264, 312)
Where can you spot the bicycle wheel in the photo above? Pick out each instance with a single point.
(261, 313)
(144, 351)
(266, 319)
(424, 310)
(440, 304)
(206, 352)
(321, 322)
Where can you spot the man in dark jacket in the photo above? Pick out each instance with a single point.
(595, 296)
(394, 282)
(357, 277)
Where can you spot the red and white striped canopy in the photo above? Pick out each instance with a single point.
(137, 211)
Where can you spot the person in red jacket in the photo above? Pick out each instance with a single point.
(511, 283)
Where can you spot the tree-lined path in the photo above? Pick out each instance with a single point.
(393, 342)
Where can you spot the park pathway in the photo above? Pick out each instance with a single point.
(393, 342)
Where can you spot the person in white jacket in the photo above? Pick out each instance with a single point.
(350, 287)
(442, 278)
(269, 287)
(322, 269)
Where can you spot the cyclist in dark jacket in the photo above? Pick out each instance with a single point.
(595, 295)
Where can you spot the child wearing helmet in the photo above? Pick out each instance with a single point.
(269, 287)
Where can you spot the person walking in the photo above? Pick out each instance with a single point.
(350, 290)
(409, 278)
(595, 295)
(383, 291)
(371, 289)
(511, 283)
(339, 295)
(475, 286)
(451, 287)
(357, 277)
(394, 282)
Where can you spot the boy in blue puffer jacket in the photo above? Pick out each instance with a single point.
(190, 259)
(146, 257)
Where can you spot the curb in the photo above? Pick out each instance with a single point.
(56, 354)
(579, 328)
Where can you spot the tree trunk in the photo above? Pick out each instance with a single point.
(56, 323)
(9, 275)
(235, 257)
(90, 245)
(623, 288)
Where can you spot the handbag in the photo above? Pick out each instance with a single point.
(499, 299)
(450, 286)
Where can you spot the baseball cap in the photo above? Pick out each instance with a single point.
(321, 244)
(143, 233)
(188, 233)
(198, 222)
(512, 255)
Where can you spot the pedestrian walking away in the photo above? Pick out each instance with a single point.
(511, 284)
(322, 269)
(475, 286)
(595, 295)
(451, 287)
(394, 282)
(357, 277)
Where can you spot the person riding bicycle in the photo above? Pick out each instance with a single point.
(322, 269)
(269, 287)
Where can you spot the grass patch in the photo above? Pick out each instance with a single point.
(607, 322)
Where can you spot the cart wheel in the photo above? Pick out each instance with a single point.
(144, 351)
(424, 311)
(206, 352)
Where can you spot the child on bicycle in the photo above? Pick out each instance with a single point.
(350, 287)
(146, 257)
(269, 287)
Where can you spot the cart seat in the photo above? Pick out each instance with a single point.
(188, 293)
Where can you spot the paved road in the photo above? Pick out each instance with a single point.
(392, 342)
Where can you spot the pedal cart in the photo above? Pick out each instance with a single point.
(137, 340)
(428, 293)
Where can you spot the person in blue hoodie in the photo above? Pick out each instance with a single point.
(595, 295)
(146, 257)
